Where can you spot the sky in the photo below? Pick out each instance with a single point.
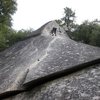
(35, 13)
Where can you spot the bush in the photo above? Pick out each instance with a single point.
(88, 32)
(9, 36)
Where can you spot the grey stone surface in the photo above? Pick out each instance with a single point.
(45, 54)
(62, 53)
(83, 85)
(19, 57)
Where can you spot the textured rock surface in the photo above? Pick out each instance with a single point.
(45, 54)
(83, 85)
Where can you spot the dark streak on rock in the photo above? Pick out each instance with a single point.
(8, 94)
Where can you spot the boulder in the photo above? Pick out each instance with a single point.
(48, 67)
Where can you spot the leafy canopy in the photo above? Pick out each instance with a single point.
(7, 9)
(88, 32)
(67, 21)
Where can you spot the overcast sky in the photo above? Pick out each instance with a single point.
(34, 13)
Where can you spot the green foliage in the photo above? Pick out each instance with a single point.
(7, 8)
(88, 32)
(9, 36)
(68, 20)
(68, 17)
(3, 35)
(3, 44)
(95, 37)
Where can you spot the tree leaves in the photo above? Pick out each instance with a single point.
(88, 32)
(7, 9)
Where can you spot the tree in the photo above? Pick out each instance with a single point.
(68, 19)
(88, 32)
(7, 9)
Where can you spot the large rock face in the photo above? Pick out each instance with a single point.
(44, 54)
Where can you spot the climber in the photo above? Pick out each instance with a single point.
(53, 31)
